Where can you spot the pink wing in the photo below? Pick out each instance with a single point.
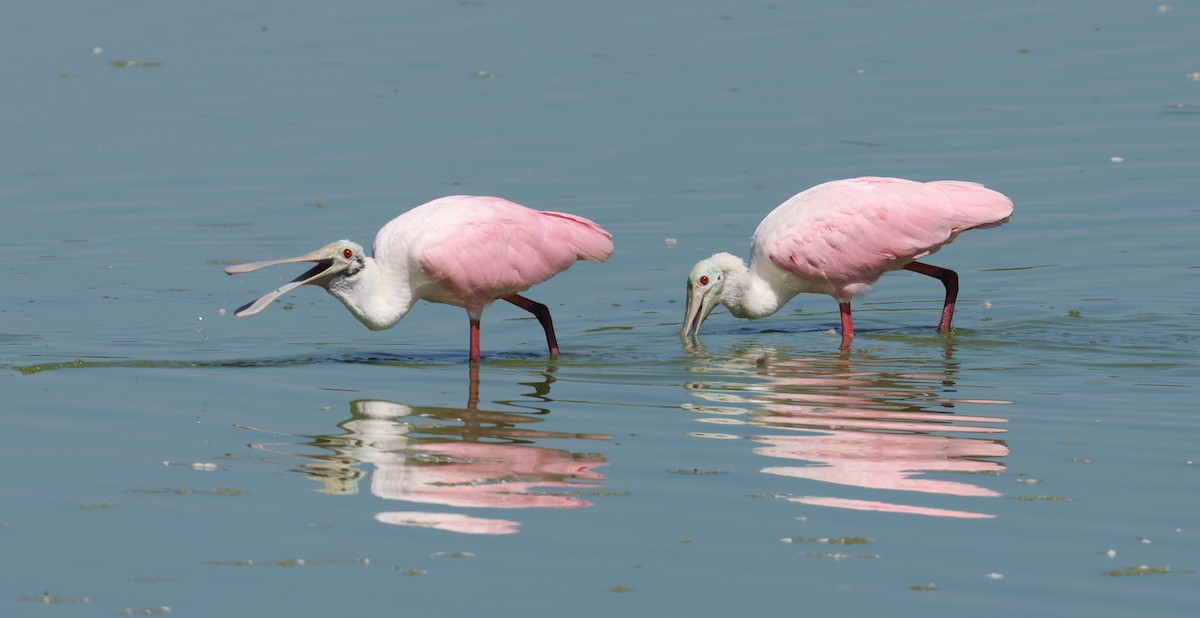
(478, 249)
(852, 231)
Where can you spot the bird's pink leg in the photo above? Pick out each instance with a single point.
(542, 313)
(949, 278)
(847, 325)
(474, 340)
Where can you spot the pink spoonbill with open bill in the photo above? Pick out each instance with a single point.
(838, 238)
(460, 250)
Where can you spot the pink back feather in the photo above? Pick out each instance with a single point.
(852, 231)
(474, 249)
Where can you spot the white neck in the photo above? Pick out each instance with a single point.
(750, 293)
(373, 295)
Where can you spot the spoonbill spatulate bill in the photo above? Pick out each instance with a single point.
(838, 238)
(460, 250)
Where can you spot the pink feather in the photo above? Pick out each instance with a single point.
(852, 231)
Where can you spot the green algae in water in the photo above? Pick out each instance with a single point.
(46, 598)
(844, 540)
(288, 562)
(840, 556)
(698, 472)
(183, 491)
(146, 611)
(135, 64)
(1140, 571)
(923, 587)
(180, 491)
(97, 506)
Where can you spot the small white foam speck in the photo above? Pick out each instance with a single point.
(1117, 159)
(1112, 553)
(96, 51)
(221, 311)
(671, 242)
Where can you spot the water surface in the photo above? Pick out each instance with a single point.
(167, 457)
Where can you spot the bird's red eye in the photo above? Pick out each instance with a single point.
(347, 253)
(704, 280)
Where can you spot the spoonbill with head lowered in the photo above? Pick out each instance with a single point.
(459, 250)
(839, 237)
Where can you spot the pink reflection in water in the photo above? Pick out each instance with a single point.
(872, 423)
(499, 476)
(884, 461)
(454, 457)
(887, 507)
(452, 522)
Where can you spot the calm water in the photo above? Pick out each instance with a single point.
(164, 457)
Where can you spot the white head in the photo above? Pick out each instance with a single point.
(337, 265)
(706, 288)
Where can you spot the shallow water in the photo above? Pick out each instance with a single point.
(167, 457)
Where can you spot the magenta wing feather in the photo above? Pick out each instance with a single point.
(852, 231)
(477, 249)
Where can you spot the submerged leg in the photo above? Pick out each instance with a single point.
(949, 278)
(473, 388)
(847, 325)
(542, 313)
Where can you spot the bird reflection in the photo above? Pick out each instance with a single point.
(455, 457)
(856, 420)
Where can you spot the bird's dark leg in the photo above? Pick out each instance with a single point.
(542, 313)
(474, 340)
(949, 278)
(847, 325)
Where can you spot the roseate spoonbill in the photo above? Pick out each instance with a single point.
(839, 237)
(459, 250)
